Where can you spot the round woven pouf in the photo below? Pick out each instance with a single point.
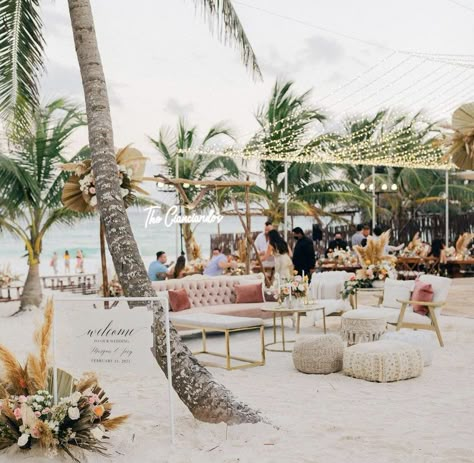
(362, 325)
(320, 354)
(422, 339)
(383, 361)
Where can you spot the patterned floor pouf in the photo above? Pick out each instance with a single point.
(362, 325)
(383, 361)
(320, 354)
(425, 340)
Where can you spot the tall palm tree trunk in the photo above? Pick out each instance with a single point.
(32, 292)
(206, 399)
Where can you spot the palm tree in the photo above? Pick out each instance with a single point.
(286, 121)
(31, 185)
(177, 151)
(21, 47)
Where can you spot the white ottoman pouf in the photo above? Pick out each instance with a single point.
(320, 354)
(422, 339)
(383, 361)
(362, 326)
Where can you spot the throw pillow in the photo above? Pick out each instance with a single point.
(423, 292)
(394, 290)
(248, 293)
(179, 300)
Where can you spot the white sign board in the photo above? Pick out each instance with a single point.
(117, 339)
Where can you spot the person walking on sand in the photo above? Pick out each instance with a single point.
(54, 263)
(79, 262)
(67, 262)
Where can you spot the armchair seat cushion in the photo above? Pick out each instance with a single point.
(391, 315)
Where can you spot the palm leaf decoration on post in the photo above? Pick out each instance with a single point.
(461, 143)
(79, 192)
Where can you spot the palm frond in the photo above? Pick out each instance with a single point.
(21, 58)
(229, 29)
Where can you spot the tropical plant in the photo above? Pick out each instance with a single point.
(31, 184)
(205, 398)
(286, 122)
(180, 152)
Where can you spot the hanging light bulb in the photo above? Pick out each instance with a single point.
(185, 185)
(160, 184)
(371, 186)
(362, 186)
(384, 186)
(394, 187)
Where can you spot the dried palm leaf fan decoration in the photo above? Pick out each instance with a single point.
(79, 193)
(374, 252)
(463, 242)
(461, 143)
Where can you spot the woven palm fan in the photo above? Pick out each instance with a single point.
(129, 158)
(461, 143)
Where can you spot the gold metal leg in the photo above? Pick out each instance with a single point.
(274, 328)
(204, 343)
(324, 320)
(282, 332)
(262, 340)
(227, 349)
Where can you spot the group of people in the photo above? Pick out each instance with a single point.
(217, 265)
(79, 267)
(277, 256)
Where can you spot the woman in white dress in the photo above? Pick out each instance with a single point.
(278, 248)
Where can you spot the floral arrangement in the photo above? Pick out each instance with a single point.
(236, 271)
(196, 266)
(343, 257)
(415, 248)
(296, 287)
(7, 276)
(79, 192)
(450, 252)
(376, 266)
(115, 288)
(30, 418)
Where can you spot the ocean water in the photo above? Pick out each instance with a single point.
(84, 235)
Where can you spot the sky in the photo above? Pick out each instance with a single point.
(162, 62)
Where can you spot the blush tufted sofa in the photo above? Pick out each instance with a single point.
(215, 295)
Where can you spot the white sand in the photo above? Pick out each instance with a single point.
(319, 418)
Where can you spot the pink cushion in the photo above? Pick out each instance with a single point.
(248, 293)
(179, 300)
(422, 292)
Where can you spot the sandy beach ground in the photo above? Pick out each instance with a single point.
(313, 418)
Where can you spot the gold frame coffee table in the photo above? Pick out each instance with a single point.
(282, 312)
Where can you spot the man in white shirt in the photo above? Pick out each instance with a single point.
(261, 243)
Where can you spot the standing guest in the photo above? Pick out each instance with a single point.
(261, 243)
(360, 238)
(336, 243)
(303, 253)
(158, 270)
(218, 264)
(357, 236)
(278, 248)
(54, 263)
(179, 267)
(67, 262)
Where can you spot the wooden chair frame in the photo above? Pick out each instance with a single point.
(433, 326)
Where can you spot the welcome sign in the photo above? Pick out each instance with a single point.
(98, 339)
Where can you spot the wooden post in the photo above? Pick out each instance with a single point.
(250, 240)
(103, 259)
(249, 228)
